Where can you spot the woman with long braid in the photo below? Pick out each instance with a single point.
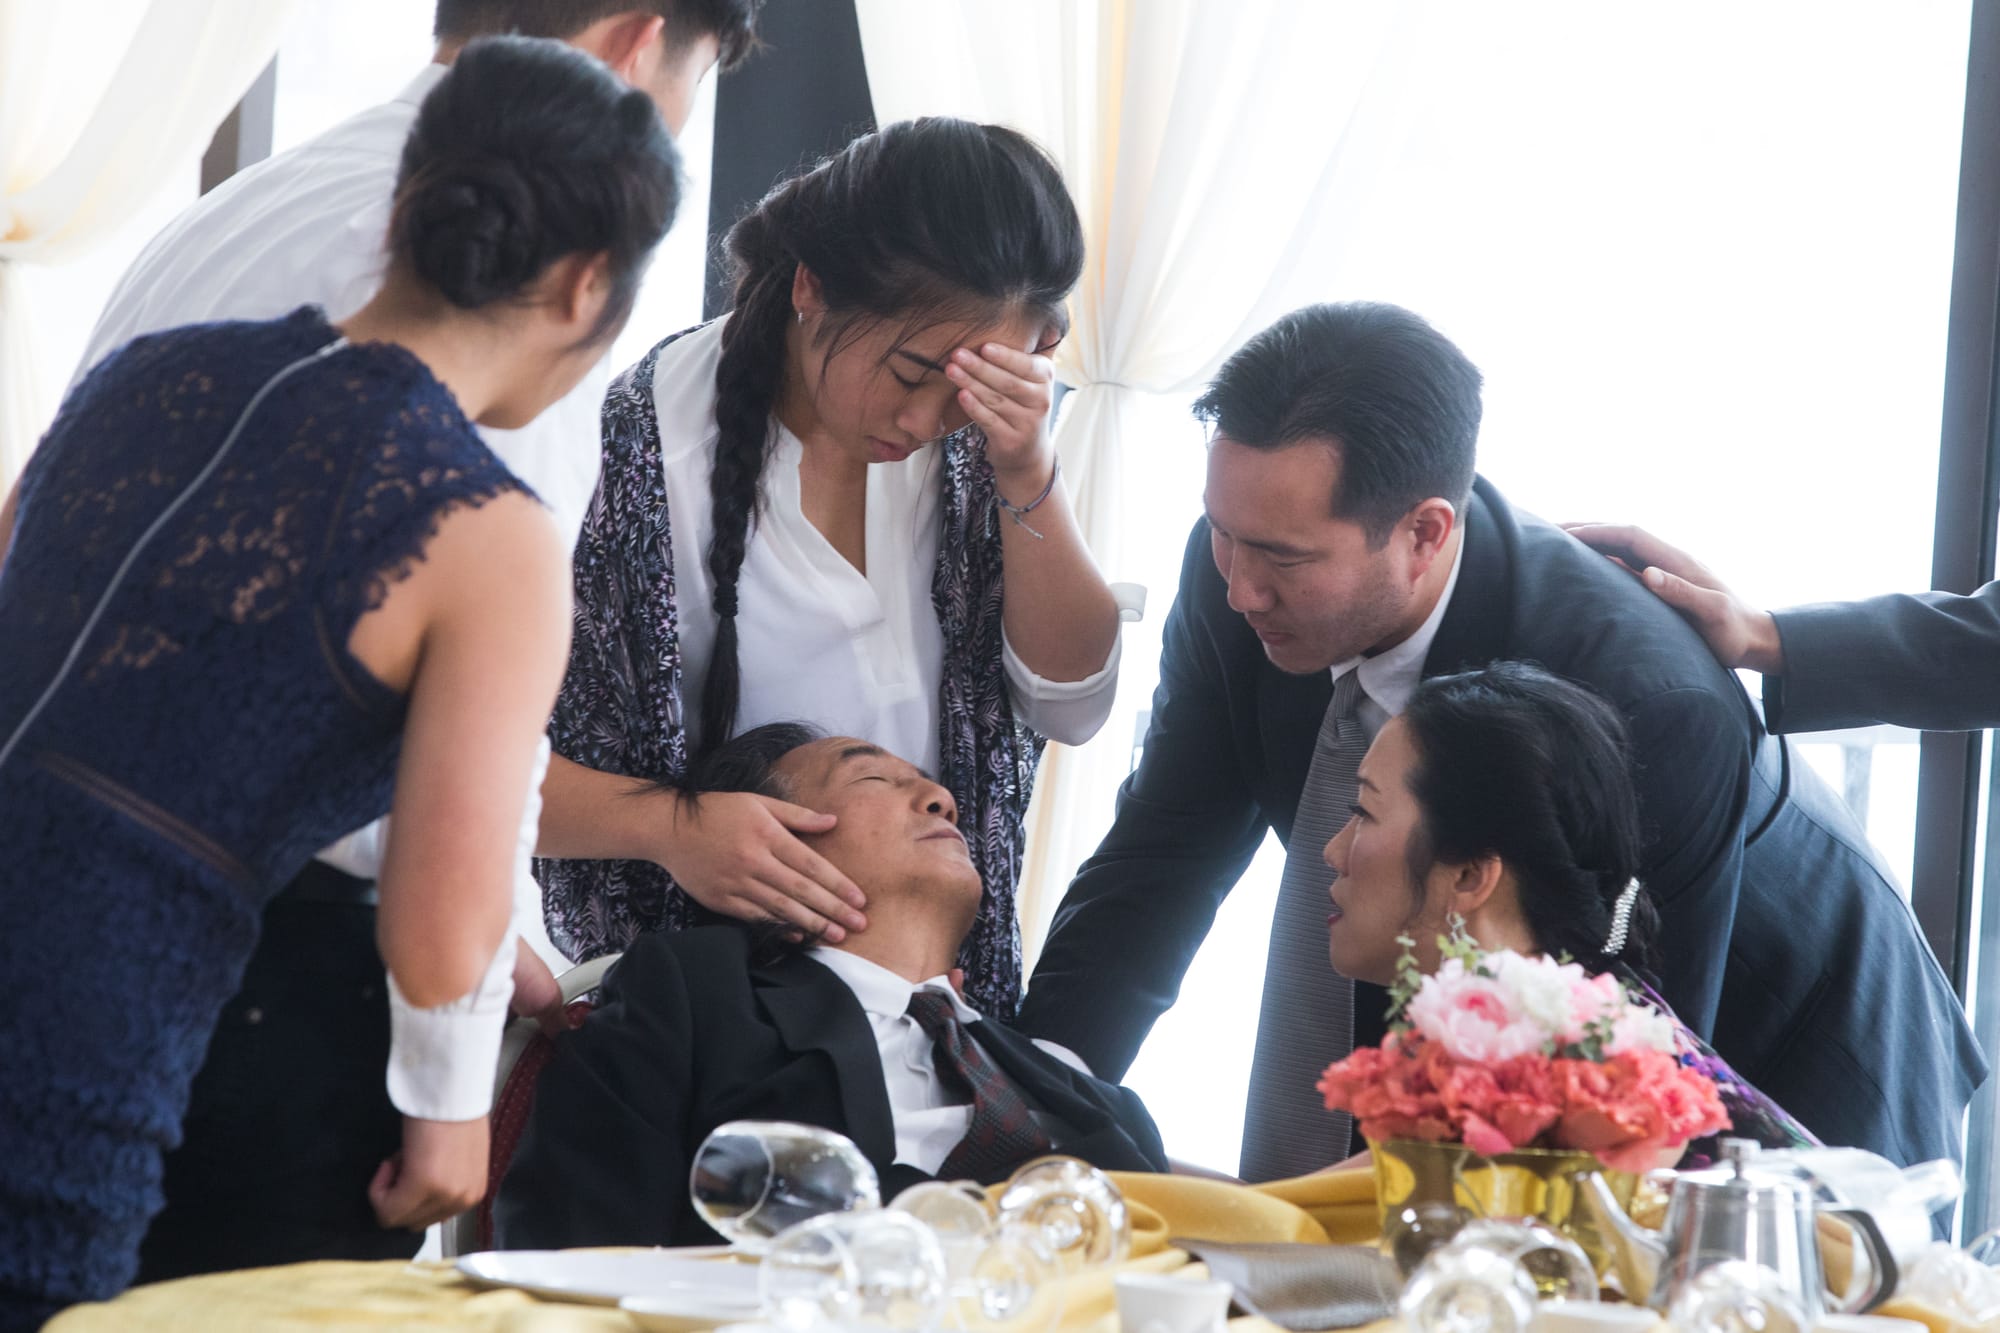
(809, 509)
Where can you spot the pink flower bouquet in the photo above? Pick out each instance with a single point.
(1499, 1051)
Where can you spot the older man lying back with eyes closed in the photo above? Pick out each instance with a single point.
(866, 1037)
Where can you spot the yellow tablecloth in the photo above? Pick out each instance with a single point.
(330, 1297)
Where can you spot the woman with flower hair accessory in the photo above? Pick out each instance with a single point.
(1497, 813)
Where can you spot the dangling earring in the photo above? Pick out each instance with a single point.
(801, 314)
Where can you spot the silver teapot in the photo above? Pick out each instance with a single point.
(1735, 1210)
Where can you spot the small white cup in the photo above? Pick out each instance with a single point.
(1593, 1317)
(1162, 1303)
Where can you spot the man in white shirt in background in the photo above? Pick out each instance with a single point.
(311, 1027)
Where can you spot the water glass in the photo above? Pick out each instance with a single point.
(1736, 1296)
(1468, 1290)
(1000, 1279)
(880, 1270)
(1559, 1268)
(751, 1179)
(1075, 1215)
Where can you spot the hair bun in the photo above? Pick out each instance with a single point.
(473, 230)
(636, 115)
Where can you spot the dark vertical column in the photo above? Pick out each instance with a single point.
(244, 137)
(803, 96)
(1945, 877)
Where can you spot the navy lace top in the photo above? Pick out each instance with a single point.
(214, 732)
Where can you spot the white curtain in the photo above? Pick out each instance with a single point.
(1207, 144)
(101, 103)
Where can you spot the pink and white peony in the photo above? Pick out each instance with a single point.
(1472, 1017)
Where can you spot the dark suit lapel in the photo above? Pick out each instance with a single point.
(1476, 624)
(813, 1011)
(1097, 1135)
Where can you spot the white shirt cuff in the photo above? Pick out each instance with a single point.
(441, 1060)
(1071, 711)
(1064, 1054)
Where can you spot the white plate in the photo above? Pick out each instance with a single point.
(697, 1275)
(1866, 1323)
(658, 1314)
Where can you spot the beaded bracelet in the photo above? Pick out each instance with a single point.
(1015, 512)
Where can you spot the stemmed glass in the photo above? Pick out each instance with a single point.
(1070, 1211)
(1468, 1289)
(1736, 1296)
(1000, 1270)
(751, 1179)
(1557, 1265)
(858, 1270)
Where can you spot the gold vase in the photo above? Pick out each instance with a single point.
(1539, 1183)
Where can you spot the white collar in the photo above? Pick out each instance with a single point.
(1391, 677)
(417, 89)
(881, 991)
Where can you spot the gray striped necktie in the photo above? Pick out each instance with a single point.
(1307, 1019)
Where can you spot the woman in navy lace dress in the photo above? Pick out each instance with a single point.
(355, 606)
(1503, 798)
(839, 503)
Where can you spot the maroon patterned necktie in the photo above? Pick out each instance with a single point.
(1003, 1133)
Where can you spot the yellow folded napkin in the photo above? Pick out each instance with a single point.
(1336, 1207)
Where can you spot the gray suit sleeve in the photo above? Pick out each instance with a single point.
(1926, 660)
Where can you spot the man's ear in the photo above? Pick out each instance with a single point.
(629, 43)
(1428, 526)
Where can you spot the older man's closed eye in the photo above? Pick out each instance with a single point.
(867, 1037)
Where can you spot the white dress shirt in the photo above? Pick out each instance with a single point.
(929, 1121)
(309, 227)
(856, 654)
(1389, 678)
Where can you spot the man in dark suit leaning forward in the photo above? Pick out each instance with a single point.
(1347, 542)
(867, 1037)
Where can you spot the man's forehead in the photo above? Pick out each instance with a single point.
(1277, 496)
(819, 761)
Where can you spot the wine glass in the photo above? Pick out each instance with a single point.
(1417, 1228)
(857, 1270)
(1468, 1289)
(1075, 1216)
(999, 1277)
(752, 1179)
(1736, 1296)
(1557, 1265)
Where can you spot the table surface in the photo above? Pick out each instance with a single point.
(338, 1297)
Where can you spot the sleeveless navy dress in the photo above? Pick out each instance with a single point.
(213, 734)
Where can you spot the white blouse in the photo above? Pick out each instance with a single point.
(817, 640)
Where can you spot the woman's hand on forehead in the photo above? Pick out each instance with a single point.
(1007, 394)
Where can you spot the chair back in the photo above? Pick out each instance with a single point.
(525, 1051)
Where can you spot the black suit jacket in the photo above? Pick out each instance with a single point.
(1927, 660)
(1786, 940)
(691, 1035)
